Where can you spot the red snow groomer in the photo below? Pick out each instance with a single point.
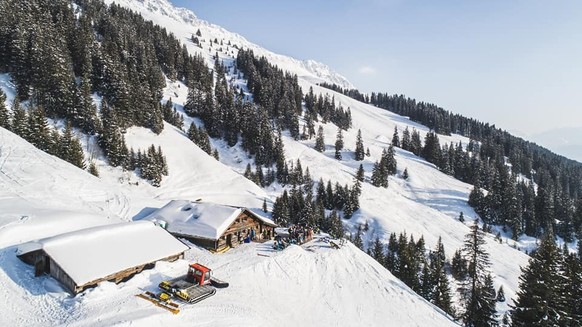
(197, 285)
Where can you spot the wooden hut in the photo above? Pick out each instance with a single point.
(213, 226)
(84, 258)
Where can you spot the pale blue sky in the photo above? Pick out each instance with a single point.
(517, 64)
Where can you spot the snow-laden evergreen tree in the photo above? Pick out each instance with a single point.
(38, 131)
(379, 175)
(572, 291)
(474, 289)
(359, 153)
(540, 301)
(406, 139)
(319, 140)
(86, 111)
(378, 251)
(360, 173)
(337, 229)
(93, 169)
(19, 120)
(486, 311)
(4, 114)
(415, 142)
(500, 294)
(432, 149)
(111, 140)
(395, 138)
(459, 266)
(388, 160)
(440, 294)
(358, 238)
(70, 148)
(281, 209)
(339, 144)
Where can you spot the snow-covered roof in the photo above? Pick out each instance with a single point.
(93, 253)
(200, 219)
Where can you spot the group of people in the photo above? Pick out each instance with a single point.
(295, 234)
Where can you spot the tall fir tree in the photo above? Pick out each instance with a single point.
(359, 153)
(319, 140)
(19, 120)
(441, 292)
(474, 290)
(4, 114)
(360, 173)
(539, 298)
(70, 148)
(379, 176)
(339, 144)
(395, 137)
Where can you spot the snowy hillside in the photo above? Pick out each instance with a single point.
(183, 23)
(313, 285)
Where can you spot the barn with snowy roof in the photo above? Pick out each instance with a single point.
(84, 258)
(213, 226)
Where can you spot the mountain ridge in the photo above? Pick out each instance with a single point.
(317, 71)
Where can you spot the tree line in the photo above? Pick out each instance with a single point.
(529, 189)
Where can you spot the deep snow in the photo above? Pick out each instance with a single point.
(41, 196)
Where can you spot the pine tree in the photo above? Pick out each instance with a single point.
(359, 153)
(4, 115)
(432, 149)
(500, 294)
(337, 230)
(319, 141)
(93, 169)
(360, 173)
(441, 292)
(339, 144)
(406, 139)
(378, 251)
(389, 160)
(572, 290)
(415, 142)
(358, 239)
(487, 302)
(71, 149)
(539, 300)
(265, 205)
(474, 290)
(38, 130)
(459, 266)
(379, 175)
(395, 138)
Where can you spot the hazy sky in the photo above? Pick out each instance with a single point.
(517, 64)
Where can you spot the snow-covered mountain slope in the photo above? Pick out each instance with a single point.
(37, 189)
(184, 23)
(41, 196)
